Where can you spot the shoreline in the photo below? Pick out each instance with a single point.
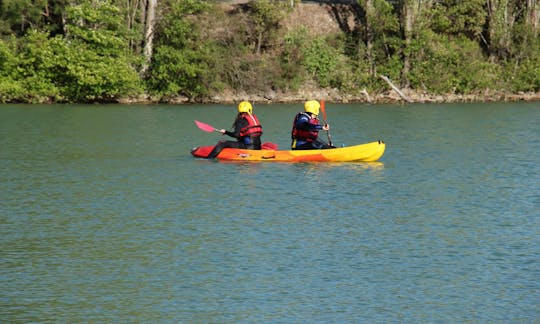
(333, 95)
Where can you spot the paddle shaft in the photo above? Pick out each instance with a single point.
(326, 123)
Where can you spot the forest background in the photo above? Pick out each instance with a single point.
(268, 51)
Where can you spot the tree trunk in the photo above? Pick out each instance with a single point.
(533, 15)
(407, 18)
(132, 9)
(370, 14)
(150, 22)
(396, 88)
(259, 42)
(501, 21)
(410, 15)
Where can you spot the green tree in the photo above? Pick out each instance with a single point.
(294, 72)
(267, 16)
(446, 64)
(96, 61)
(180, 58)
(19, 16)
(11, 88)
(35, 57)
(455, 17)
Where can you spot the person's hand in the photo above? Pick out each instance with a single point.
(222, 131)
(326, 127)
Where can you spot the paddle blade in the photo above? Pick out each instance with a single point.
(323, 110)
(205, 127)
(326, 122)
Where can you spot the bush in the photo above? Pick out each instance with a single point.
(442, 64)
(525, 76)
(293, 72)
(35, 57)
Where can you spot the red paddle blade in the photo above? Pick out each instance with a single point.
(204, 127)
(323, 110)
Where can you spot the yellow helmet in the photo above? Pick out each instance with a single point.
(312, 106)
(245, 107)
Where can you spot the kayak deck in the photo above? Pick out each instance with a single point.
(368, 152)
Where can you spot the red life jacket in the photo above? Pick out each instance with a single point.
(302, 134)
(253, 129)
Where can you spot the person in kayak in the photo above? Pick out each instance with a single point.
(306, 127)
(247, 131)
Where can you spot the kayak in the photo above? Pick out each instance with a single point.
(368, 152)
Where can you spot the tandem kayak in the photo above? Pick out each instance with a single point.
(368, 152)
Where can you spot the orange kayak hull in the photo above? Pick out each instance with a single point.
(368, 152)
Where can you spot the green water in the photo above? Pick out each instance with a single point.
(106, 217)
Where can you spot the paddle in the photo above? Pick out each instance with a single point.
(324, 117)
(206, 127)
(209, 128)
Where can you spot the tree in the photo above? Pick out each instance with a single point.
(410, 14)
(267, 16)
(20, 15)
(149, 26)
(180, 58)
(93, 60)
(500, 23)
(532, 14)
(11, 89)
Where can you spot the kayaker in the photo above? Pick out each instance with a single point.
(306, 127)
(247, 131)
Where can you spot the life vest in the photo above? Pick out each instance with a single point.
(303, 134)
(253, 129)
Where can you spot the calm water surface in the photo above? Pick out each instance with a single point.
(106, 217)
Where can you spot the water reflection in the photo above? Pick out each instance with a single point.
(354, 166)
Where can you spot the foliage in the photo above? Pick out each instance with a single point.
(96, 65)
(456, 17)
(18, 16)
(525, 76)
(180, 59)
(267, 16)
(523, 71)
(319, 61)
(99, 27)
(26, 72)
(10, 88)
(84, 75)
(90, 65)
(451, 65)
(384, 26)
(293, 72)
(87, 50)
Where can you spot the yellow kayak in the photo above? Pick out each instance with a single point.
(368, 152)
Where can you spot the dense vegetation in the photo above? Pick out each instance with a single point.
(104, 50)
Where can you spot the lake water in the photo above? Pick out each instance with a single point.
(106, 217)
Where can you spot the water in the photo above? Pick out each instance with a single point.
(105, 217)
